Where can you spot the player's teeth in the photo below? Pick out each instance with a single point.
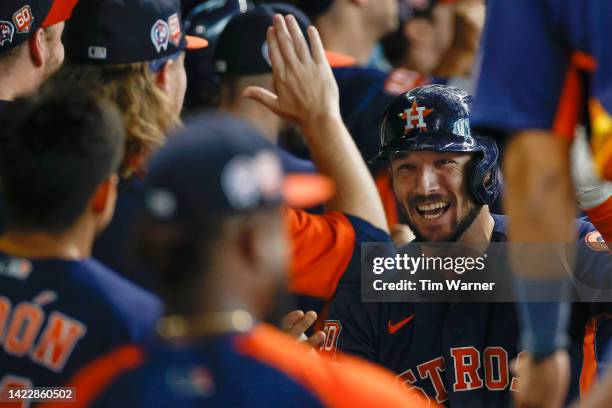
(433, 206)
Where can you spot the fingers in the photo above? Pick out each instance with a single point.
(302, 324)
(299, 42)
(263, 96)
(291, 318)
(285, 42)
(278, 64)
(316, 339)
(316, 46)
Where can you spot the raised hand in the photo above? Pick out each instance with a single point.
(306, 90)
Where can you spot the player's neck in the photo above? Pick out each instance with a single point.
(73, 244)
(481, 229)
(341, 35)
(15, 83)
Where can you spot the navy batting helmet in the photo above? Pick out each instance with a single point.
(206, 19)
(436, 118)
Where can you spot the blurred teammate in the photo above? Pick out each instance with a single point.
(237, 70)
(535, 86)
(220, 250)
(30, 43)
(444, 177)
(145, 77)
(437, 37)
(60, 308)
(352, 28)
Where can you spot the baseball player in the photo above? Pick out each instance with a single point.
(145, 77)
(363, 92)
(220, 250)
(238, 70)
(30, 43)
(60, 308)
(323, 245)
(444, 177)
(536, 85)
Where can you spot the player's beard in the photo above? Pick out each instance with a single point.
(52, 65)
(462, 225)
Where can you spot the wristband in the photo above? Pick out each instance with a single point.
(543, 324)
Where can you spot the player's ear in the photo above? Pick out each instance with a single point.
(105, 195)
(247, 245)
(162, 77)
(251, 239)
(38, 48)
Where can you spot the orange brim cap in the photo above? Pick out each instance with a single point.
(338, 60)
(302, 190)
(195, 43)
(60, 11)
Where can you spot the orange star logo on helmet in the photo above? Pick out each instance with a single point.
(415, 117)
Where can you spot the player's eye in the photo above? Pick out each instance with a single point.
(445, 162)
(406, 167)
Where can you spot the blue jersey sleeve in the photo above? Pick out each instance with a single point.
(365, 235)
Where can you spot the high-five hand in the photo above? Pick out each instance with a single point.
(306, 90)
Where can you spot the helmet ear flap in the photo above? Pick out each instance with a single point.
(472, 178)
(482, 182)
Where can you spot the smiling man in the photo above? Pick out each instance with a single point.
(444, 178)
(426, 138)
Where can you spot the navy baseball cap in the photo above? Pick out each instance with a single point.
(221, 165)
(208, 18)
(242, 48)
(111, 32)
(19, 19)
(314, 7)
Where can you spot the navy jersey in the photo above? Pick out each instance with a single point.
(545, 65)
(460, 353)
(3, 104)
(56, 315)
(260, 368)
(293, 164)
(363, 100)
(115, 247)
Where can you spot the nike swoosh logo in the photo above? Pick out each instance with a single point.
(393, 328)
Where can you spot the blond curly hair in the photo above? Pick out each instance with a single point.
(146, 110)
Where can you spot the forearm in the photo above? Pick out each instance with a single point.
(335, 155)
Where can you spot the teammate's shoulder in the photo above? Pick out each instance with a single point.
(125, 301)
(500, 228)
(366, 232)
(108, 281)
(95, 378)
(584, 226)
(360, 73)
(353, 382)
(294, 164)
